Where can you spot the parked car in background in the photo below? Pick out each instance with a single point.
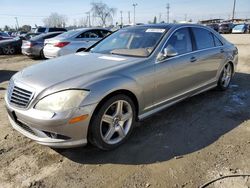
(34, 46)
(73, 41)
(28, 36)
(226, 28)
(214, 26)
(240, 28)
(49, 29)
(4, 36)
(13, 45)
(98, 96)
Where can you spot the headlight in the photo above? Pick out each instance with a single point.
(62, 101)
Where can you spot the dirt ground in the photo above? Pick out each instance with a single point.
(195, 141)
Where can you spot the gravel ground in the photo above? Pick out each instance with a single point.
(197, 140)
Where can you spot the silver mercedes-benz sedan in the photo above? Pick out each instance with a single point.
(97, 96)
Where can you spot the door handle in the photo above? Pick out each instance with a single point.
(193, 59)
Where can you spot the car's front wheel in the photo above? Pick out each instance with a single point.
(112, 124)
(225, 77)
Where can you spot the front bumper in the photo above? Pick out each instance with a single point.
(51, 129)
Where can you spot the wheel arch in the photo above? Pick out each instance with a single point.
(126, 92)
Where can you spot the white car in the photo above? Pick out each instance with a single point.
(73, 41)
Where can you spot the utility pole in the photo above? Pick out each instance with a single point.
(129, 17)
(134, 5)
(168, 7)
(233, 11)
(121, 18)
(17, 23)
(159, 18)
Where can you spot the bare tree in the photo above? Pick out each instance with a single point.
(55, 20)
(103, 12)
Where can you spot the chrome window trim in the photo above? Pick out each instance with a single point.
(186, 26)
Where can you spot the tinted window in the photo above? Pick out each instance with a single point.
(204, 38)
(104, 33)
(90, 34)
(41, 30)
(217, 42)
(56, 29)
(181, 41)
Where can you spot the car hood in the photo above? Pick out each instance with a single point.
(71, 71)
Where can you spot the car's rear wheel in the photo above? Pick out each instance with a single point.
(9, 50)
(112, 124)
(225, 77)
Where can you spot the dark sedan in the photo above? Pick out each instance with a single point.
(34, 46)
(226, 27)
(4, 36)
(13, 45)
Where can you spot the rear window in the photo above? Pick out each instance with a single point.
(56, 29)
(204, 38)
(41, 30)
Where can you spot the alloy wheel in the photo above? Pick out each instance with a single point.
(227, 75)
(116, 122)
(9, 50)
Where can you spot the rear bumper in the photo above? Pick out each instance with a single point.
(51, 129)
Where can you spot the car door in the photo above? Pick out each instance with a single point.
(175, 75)
(209, 54)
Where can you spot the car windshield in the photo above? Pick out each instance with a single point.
(239, 26)
(138, 42)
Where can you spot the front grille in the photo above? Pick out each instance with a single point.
(19, 96)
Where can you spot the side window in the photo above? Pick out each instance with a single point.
(180, 41)
(104, 33)
(89, 34)
(217, 42)
(204, 38)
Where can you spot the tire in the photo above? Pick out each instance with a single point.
(225, 77)
(9, 50)
(42, 54)
(108, 130)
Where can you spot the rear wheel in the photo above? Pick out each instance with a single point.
(113, 122)
(9, 50)
(225, 77)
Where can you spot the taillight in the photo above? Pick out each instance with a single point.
(61, 44)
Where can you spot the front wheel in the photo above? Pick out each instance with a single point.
(112, 124)
(225, 77)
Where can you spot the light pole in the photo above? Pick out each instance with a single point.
(134, 5)
(88, 13)
(17, 23)
(233, 10)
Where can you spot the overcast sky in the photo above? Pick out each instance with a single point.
(33, 11)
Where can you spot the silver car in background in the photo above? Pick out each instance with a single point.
(34, 46)
(97, 96)
(73, 41)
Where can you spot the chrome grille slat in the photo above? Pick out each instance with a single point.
(20, 91)
(19, 96)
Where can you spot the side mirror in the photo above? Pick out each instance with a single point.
(169, 51)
